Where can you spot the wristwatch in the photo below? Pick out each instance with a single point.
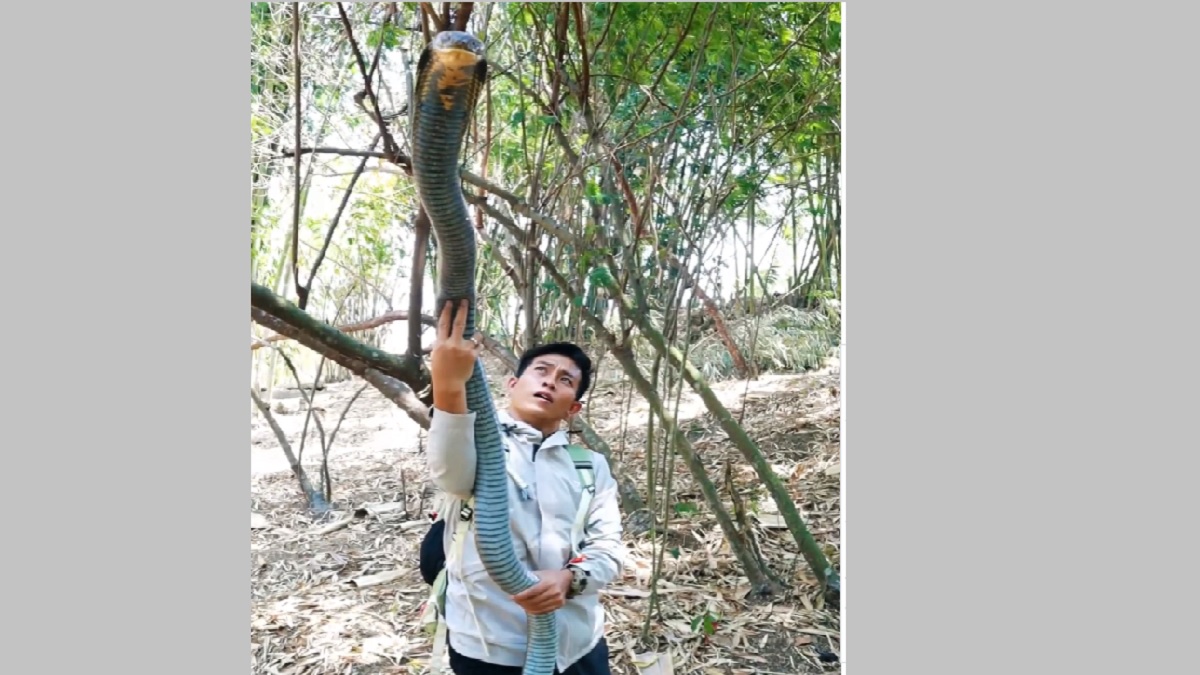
(579, 579)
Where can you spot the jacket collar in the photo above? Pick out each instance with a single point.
(519, 430)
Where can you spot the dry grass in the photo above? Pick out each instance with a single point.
(317, 605)
(784, 340)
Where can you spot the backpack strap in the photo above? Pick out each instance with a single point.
(434, 616)
(585, 467)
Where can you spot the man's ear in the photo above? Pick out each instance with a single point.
(512, 382)
(576, 406)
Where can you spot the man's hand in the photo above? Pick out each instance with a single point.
(546, 595)
(451, 360)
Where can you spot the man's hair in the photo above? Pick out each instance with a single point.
(567, 349)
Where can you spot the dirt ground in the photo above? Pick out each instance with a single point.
(343, 595)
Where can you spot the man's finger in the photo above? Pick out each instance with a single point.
(533, 592)
(528, 593)
(543, 607)
(443, 326)
(460, 321)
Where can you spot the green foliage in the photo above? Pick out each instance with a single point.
(725, 105)
(684, 508)
(706, 623)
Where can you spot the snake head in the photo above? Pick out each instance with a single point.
(456, 40)
(452, 59)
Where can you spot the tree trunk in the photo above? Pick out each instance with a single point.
(754, 568)
(749, 449)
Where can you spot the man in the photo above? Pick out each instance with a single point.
(487, 627)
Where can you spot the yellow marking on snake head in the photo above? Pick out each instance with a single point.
(452, 69)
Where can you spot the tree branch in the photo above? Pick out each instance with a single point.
(316, 502)
(389, 143)
(432, 14)
(358, 326)
(401, 159)
(393, 389)
(337, 346)
(337, 217)
(756, 571)
(301, 291)
(462, 15)
(416, 283)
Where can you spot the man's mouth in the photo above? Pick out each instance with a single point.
(544, 396)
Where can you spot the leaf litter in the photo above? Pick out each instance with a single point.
(343, 595)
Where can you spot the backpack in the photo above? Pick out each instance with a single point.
(433, 554)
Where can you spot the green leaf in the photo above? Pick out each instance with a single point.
(685, 507)
(600, 276)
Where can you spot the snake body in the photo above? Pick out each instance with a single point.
(450, 73)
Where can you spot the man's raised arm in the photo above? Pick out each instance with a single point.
(451, 455)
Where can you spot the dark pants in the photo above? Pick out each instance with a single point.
(594, 662)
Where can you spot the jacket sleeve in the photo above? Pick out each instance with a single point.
(603, 551)
(451, 453)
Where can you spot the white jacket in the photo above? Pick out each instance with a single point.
(483, 621)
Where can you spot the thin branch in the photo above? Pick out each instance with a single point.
(400, 158)
(416, 287)
(301, 291)
(394, 389)
(316, 502)
(337, 217)
(462, 15)
(431, 13)
(325, 339)
(518, 205)
(389, 143)
(359, 326)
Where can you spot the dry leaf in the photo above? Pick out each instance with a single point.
(322, 605)
(376, 579)
(652, 663)
(772, 521)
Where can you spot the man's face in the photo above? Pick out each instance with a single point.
(545, 392)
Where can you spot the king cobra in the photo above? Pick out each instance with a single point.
(450, 74)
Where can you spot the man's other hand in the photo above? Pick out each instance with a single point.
(548, 594)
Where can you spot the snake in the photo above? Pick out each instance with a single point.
(450, 73)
